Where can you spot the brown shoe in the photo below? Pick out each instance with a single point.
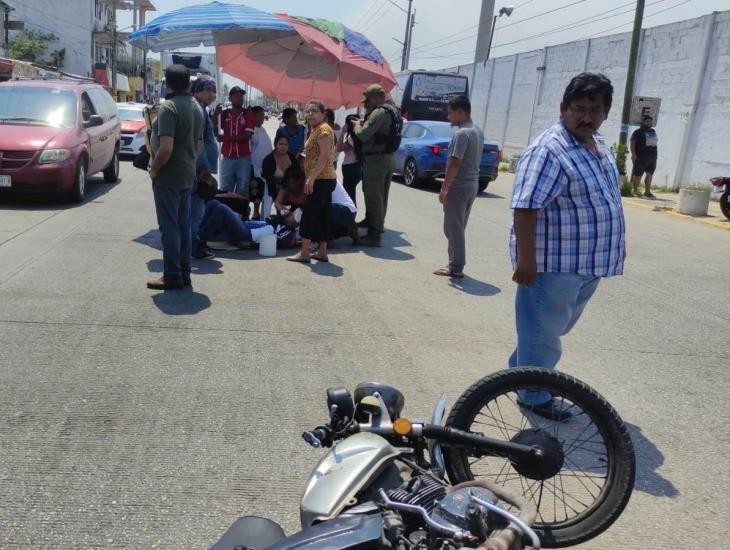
(165, 284)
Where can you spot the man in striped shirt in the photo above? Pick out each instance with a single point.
(568, 229)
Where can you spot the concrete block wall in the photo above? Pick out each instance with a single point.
(70, 20)
(686, 64)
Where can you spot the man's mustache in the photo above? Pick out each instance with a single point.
(585, 125)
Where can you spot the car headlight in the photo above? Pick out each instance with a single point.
(54, 155)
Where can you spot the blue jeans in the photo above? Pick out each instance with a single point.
(220, 219)
(340, 219)
(173, 218)
(235, 175)
(544, 312)
(197, 210)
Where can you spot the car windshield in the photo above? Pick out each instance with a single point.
(129, 113)
(443, 131)
(41, 106)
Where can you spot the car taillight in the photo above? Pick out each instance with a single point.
(717, 181)
(435, 149)
(404, 115)
(499, 155)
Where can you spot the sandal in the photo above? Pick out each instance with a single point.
(300, 259)
(446, 272)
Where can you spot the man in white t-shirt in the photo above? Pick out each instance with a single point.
(342, 215)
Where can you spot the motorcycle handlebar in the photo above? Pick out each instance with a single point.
(318, 437)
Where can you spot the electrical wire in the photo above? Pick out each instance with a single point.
(631, 22)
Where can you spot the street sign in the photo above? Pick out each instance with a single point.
(642, 106)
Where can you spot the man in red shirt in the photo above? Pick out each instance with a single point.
(238, 126)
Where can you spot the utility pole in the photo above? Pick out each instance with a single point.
(410, 39)
(631, 73)
(407, 38)
(114, 48)
(484, 37)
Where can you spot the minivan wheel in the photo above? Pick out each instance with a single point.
(483, 183)
(111, 172)
(410, 173)
(79, 186)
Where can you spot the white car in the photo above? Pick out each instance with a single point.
(133, 127)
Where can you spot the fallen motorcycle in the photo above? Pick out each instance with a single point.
(722, 187)
(519, 475)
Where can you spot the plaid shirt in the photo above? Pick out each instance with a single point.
(580, 221)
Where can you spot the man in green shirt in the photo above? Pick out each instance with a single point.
(377, 163)
(177, 136)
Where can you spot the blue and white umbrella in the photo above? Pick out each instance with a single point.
(209, 25)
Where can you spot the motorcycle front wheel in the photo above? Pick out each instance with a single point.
(587, 475)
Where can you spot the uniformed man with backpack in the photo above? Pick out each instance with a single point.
(380, 135)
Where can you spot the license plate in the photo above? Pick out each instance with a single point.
(5, 181)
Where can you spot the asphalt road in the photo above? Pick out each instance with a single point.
(136, 419)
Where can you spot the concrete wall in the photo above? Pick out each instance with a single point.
(686, 64)
(71, 21)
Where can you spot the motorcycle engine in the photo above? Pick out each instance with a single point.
(453, 510)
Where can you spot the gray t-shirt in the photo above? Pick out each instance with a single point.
(467, 145)
(182, 119)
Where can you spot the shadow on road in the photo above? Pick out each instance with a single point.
(198, 267)
(151, 239)
(648, 459)
(95, 190)
(326, 269)
(474, 287)
(181, 302)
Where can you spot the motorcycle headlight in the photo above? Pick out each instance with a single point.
(54, 155)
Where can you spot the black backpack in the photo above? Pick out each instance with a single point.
(393, 138)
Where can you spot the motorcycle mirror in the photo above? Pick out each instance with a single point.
(341, 401)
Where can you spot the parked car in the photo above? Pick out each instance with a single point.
(131, 118)
(423, 153)
(56, 133)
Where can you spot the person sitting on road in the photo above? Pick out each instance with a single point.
(291, 196)
(276, 164)
(342, 210)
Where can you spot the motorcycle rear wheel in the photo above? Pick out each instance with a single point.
(593, 452)
(724, 206)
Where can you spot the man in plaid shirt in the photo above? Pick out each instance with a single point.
(567, 231)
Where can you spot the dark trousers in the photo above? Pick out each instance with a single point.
(315, 224)
(218, 219)
(351, 176)
(341, 218)
(173, 217)
(377, 173)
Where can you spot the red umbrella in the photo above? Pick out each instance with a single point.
(321, 60)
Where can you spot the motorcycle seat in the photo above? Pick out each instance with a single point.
(250, 533)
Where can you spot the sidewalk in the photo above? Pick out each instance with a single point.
(667, 203)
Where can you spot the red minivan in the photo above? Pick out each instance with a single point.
(56, 133)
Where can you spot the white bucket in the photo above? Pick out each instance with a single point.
(267, 245)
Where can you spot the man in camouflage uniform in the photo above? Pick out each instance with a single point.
(377, 164)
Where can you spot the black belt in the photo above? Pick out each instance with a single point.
(376, 153)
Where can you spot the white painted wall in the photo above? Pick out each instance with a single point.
(71, 21)
(687, 64)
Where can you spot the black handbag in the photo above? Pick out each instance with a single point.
(142, 160)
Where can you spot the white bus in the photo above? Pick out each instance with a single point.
(424, 95)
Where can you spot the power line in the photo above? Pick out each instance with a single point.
(364, 15)
(377, 14)
(515, 23)
(630, 22)
(579, 23)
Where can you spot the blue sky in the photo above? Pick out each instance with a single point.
(445, 32)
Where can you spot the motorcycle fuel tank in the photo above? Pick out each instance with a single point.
(342, 473)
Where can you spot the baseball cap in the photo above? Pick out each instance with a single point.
(236, 90)
(373, 89)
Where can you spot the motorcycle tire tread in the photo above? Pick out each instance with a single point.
(618, 497)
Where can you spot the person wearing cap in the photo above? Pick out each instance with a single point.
(238, 127)
(204, 91)
(643, 155)
(377, 163)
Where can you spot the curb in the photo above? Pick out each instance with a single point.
(670, 210)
